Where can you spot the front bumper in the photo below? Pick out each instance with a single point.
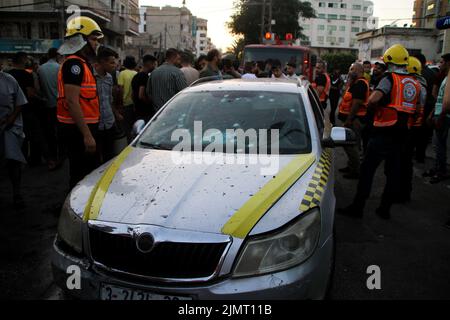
(306, 281)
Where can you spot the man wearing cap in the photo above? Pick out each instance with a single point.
(78, 109)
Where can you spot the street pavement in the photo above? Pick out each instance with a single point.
(412, 249)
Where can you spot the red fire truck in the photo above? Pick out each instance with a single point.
(285, 52)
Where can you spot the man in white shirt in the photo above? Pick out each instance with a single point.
(277, 72)
(291, 67)
(250, 69)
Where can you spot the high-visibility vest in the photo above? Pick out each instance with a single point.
(404, 96)
(89, 102)
(326, 92)
(418, 118)
(346, 105)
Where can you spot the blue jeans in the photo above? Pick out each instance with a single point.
(440, 147)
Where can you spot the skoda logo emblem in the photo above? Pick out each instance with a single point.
(145, 243)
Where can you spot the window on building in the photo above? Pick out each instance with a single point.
(342, 17)
(356, 7)
(331, 39)
(430, 7)
(113, 4)
(356, 18)
(145, 28)
(321, 27)
(414, 52)
(306, 27)
(122, 9)
(341, 28)
(321, 16)
(440, 46)
(365, 9)
(332, 16)
(321, 4)
(320, 39)
(355, 29)
(332, 5)
(343, 6)
(341, 40)
(331, 28)
(376, 53)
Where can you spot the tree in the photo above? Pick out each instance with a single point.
(341, 61)
(237, 48)
(247, 20)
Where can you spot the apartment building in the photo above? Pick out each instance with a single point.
(336, 24)
(35, 26)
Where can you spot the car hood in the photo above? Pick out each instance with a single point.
(150, 188)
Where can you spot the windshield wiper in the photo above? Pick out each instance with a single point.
(154, 146)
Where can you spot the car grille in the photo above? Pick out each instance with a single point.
(168, 260)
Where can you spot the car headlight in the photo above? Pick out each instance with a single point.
(70, 227)
(282, 250)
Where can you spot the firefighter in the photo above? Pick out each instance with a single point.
(394, 100)
(78, 108)
(352, 111)
(416, 122)
(322, 83)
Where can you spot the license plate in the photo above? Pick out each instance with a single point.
(110, 292)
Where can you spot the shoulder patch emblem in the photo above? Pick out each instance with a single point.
(76, 70)
(409, 92)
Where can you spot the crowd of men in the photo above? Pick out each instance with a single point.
(395, 109)
(79, 101)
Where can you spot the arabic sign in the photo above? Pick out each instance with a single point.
(29, 46)
(443, 23)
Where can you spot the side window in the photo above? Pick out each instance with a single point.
(317, 109)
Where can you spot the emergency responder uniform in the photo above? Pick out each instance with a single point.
(79, 131)
(395, 100)
(325, 81)
(415, 124)
(358, 90)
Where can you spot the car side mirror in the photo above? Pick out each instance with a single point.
(138, 127)
(340, 137)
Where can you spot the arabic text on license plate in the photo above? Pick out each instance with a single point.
(109, 292)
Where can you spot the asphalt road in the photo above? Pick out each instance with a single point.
(412, 250)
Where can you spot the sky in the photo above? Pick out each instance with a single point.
(218, 12)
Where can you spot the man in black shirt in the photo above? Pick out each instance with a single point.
(424, 137)
(30, 111)
(142, 103)
(335, 93)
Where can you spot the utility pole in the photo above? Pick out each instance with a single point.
(62, 26)
(165, 37)
(263, 18)
(270, 16)
(160, 44)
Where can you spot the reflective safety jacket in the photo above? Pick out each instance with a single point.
(326, 92)
(405, 94)
(89, 102)
(346, 105)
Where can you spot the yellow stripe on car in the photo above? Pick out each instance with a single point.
(95, 202)
(243, 221)
(316, 188)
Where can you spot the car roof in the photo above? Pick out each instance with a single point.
(271, 85)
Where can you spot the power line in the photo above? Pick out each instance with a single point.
(24, 5)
